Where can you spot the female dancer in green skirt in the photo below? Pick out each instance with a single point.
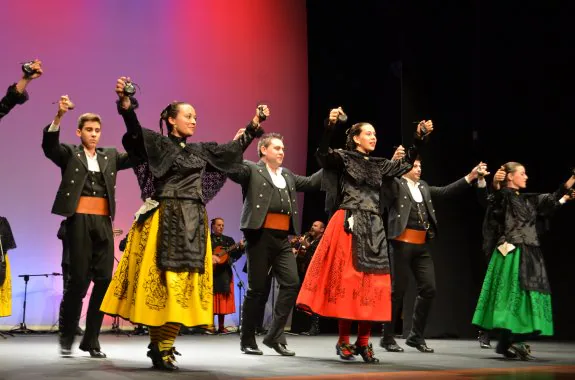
(516, 298)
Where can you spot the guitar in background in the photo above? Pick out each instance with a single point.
(221, 255)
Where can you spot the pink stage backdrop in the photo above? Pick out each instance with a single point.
(221, 56)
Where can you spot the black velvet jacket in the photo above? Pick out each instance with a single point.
(11, 99)
(177, 168)
(352, 182)
(519, 218)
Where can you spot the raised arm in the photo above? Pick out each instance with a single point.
(242, 175)
(16, 93)
(133, 140)
(478, 171)
(126, 107)
(232, 152)
(253, 129)
(547, 203)
(325, 156)
(56, 152)
(245, 136)
(33, 71)
(402, 160)
(481, 189)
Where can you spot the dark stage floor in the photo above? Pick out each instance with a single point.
(30, 357)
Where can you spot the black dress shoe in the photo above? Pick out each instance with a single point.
(96, 353)
(65, 351)
(251, 350)
(391, 347)
(420, 346)
(280, 348)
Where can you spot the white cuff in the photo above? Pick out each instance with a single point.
(54, 127)
(481, 182)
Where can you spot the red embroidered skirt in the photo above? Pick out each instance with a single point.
(334, 288)
(225, 303)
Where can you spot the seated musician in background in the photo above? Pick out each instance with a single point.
(224, 251)
(304, 247)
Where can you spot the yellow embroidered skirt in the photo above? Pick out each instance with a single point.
(6, 293)
(143, 294)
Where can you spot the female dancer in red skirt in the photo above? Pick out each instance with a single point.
(348, 277)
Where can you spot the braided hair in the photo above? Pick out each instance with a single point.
(171, 111)
(355, 130)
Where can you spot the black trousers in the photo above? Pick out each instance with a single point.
(91, 244)
(263, 301)
(65, 275)
(416, 258)
(268, 250)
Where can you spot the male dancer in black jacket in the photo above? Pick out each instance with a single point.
(86, 196)
(411, 224)
(269, 215)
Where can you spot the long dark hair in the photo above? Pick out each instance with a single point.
(170, 111)
(355, 130)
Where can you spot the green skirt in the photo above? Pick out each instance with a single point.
(504, 304)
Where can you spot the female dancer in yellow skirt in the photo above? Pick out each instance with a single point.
(6, 243)
(164, 279)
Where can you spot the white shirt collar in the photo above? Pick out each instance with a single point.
(411, 182)
(277, 177)
(414, 190)
(93, 164)
(278, 171)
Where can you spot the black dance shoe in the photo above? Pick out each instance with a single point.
(522, 350)
(483, 339)
(345, 351)
(154, 354)
(251, 350)
(65, 351)
(422, 347)
(366, 353)
(280, 348)
(96, 353)
(390, 345)
(167, 361)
